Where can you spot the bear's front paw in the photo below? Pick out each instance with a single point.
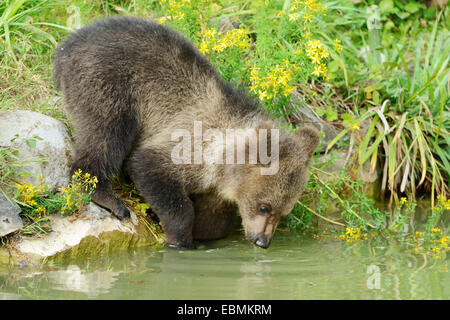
(182, 246)
(122, 213)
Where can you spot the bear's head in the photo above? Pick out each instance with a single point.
(262, 199)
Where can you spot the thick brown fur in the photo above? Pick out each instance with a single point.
(128, 84)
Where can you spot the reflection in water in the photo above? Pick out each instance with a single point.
(292, 268)
(9, 296)
(75, 279)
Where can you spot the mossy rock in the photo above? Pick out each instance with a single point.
(95, 232)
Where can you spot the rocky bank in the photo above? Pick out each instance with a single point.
(44, 146)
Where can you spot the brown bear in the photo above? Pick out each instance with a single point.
(129, 84)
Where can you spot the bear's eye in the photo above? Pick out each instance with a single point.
(265, 208)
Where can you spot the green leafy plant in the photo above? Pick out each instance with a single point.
(409, 132)
(269, 47)
(38, 202)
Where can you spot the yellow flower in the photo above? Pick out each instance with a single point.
(294, 6)
(436, 249)
(307, 17)
(40, 210)
(324, 54)
(219, 42)
(179, 16)
(316, 53)
(356, 126)
(319, 70)
(353, 235)
(337, 45)
(444, 241)
(293, 16)
(403, 200)
(296, 67)
(418, 235)
(315, 59)
(312, 5)
(220, 46)
(262, 94)
(204, 47)
(288, 90)
(436, 230)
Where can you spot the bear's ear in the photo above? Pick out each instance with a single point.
(266, 140)
(267, 125)
(308, 140)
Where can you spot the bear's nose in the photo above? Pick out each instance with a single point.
(262, 241)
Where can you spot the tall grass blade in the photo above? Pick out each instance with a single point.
(421, 142)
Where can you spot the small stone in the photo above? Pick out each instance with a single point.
(22, 264)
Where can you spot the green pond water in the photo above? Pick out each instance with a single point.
(294, 267)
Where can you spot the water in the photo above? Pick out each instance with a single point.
(294, 267)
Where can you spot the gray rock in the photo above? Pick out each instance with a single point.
(226, 24)
(48, 153)
(10, 220)
(334, 162)
(331, 163)
(66, 233)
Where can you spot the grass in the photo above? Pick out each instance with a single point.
(385, 89)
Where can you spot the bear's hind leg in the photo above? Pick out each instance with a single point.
(213, 218)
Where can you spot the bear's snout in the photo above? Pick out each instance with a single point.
(262, 241)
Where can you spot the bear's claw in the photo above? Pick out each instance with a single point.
(122, 213)
(184, 246)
